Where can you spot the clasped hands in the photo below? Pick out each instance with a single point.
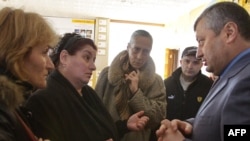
(174, 130)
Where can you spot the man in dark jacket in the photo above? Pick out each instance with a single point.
(187, 87)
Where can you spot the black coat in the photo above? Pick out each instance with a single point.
(183, 105)
(59, 113)
(11, 95)
(10, 127)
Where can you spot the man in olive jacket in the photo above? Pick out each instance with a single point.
(130, 84)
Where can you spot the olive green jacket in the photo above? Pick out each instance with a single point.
(151, 96)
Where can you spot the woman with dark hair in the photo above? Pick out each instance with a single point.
(70, 110)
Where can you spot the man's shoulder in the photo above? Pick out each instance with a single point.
(170, 79)
(206, 78)
(104, 71)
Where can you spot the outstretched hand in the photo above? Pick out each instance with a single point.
(137, 121)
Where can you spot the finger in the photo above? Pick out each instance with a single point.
(182, 126)
(140, 113)
(140, 125)
(159, 133)
(141, 122)
(145, 118)
(132, 73)
(175, 124)
(161, 130)
(188, 129)
(128, 78)
(160, 139)
(165, 122)
(138, 72)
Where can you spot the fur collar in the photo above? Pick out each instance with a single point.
(116, 71)
(11, 94)
(12, 90)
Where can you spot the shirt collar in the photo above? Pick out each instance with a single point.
(234, 61)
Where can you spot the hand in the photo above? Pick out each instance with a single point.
(166, 132)
(133, 78)
(184, 127)
(137, 121)
(165, 124)
(40, 139)
(173, 130)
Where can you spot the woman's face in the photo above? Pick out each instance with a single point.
(38, 64)
(78, 68)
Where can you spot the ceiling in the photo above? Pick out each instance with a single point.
(152, 11)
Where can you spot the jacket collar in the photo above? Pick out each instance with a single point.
(116, 72)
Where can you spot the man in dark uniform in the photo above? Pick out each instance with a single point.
(187, 87)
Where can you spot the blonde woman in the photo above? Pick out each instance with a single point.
(25, 40)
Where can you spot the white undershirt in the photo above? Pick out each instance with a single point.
(185, 83)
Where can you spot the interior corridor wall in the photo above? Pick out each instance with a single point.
(119, 36)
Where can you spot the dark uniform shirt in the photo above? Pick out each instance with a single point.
(185, 104)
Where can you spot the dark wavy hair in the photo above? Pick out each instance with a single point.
(71, 42)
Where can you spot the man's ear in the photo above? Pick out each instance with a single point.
(128, 46)
(231, 31)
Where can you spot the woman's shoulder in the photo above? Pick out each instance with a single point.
(10, 93)
(7, 123)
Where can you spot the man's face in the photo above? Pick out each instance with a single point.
(139, 51)
(190, 66)
(211, 47)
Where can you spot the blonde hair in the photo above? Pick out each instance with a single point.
(20, 32)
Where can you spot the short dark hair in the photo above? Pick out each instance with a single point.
(140, 32)
(189, 51)
(219, 14)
